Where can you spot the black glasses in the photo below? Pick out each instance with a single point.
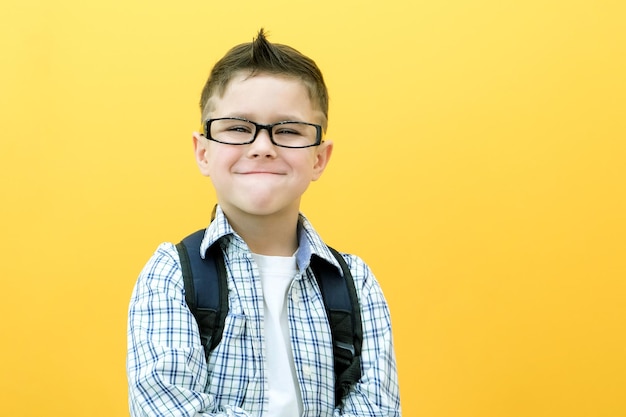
(237, 131)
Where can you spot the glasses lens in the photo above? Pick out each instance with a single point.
(294, 134)
(233, 131)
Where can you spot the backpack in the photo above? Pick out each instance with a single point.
(206, 294)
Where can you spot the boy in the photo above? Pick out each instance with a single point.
(264, 110)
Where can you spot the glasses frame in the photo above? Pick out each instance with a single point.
(258, 127)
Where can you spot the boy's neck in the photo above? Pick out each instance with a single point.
(273, 235)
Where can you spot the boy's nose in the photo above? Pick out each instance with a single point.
(262, 145)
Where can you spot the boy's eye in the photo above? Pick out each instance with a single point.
(286, 132)
(289, 129)
(240, 129)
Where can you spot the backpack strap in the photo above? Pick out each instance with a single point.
(206, 289)
(344, 316)
(206, 294)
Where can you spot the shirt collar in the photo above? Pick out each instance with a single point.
(309, 241)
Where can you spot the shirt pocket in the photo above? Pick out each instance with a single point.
(231, 363)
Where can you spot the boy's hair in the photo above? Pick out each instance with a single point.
(262, 56)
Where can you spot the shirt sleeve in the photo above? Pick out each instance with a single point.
(376, 394)
(166, 368)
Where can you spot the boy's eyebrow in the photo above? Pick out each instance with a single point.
(248, 116)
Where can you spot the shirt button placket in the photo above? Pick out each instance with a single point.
(295, 298)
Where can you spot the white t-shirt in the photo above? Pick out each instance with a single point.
(277, 274)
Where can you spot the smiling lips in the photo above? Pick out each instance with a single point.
(260, 171)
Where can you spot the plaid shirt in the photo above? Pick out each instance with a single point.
(166, 367)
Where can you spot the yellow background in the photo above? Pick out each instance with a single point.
(479, 169)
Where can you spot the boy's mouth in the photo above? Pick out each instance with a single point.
(261, 172)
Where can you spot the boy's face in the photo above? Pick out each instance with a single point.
(260, 178)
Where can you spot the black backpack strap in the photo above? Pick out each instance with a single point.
(206, 288)
(344, 316)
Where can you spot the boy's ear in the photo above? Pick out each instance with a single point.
(322, 156)
(201, 152)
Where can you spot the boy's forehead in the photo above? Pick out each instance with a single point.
(239, 83)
